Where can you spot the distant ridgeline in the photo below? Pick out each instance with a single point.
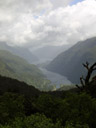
(19, 51)
(69, 63)
(16, 67)
(15, 86)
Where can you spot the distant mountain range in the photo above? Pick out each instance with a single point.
(49, 52)
(16, 67)
(20, 51)
(69, 63)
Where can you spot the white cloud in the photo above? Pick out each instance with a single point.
(40, 22)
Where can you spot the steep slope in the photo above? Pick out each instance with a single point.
(69, 63)
(20, 51)
(18, 68)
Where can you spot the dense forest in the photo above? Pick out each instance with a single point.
(23, 106)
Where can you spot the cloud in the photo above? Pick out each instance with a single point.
(41, 22)
(60, 3)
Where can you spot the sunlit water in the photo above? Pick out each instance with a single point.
(56, 79)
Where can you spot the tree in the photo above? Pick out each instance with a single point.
(85, 81)
(11, 106)
(35, 121)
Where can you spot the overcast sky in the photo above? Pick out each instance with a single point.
(41, 22)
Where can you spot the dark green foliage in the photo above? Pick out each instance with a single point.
(33, 121)
(23, 106)
(74, 108)
(83, 108)
(15, 86)
(73, 111)
(11, 106)
(76, 125)
(56, 108)
(38, 121)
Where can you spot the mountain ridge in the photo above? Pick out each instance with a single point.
(18, 68)
(69, 63)
(19, 51)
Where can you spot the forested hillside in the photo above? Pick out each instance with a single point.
(18, 68)
(23, 106)
(69, 63)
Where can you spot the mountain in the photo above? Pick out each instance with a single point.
(69, 63)
(48, 52)
(15, 86)
(18, 68)
(20, 51)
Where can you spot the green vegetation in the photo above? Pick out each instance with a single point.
(69, 111)
(18, 68)
(23, 106)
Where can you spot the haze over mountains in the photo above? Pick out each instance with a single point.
(49, 52)
(44, 54)
(39, 55)
(23, 52)
(16, 67)
(69, 63)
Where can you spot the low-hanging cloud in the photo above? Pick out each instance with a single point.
(41, 22)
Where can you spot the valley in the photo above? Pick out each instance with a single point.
(55, 78)
(69, 63)
(47, 63)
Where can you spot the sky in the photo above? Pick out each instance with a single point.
(34, 23)
(75, 2)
